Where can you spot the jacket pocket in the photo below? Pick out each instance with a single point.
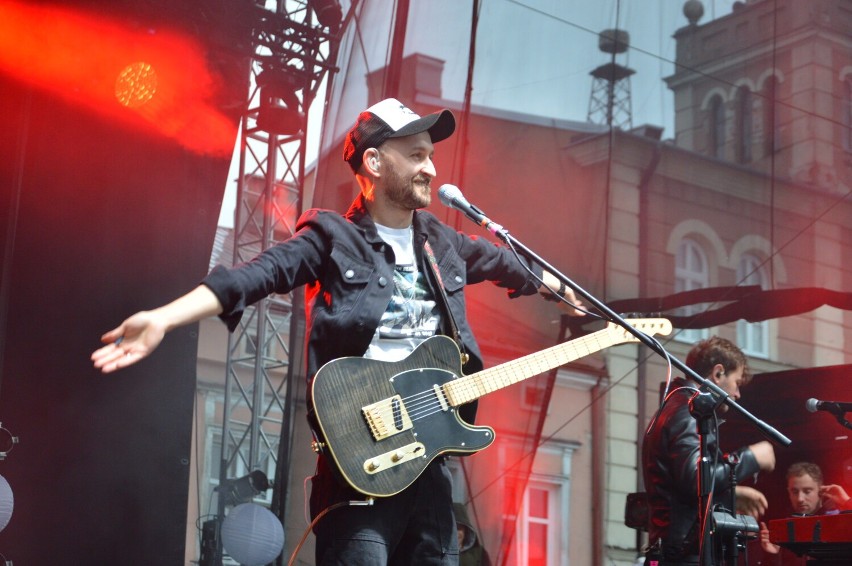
(349, 283)
(453, 272)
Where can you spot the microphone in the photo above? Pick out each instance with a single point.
(452, 197)
(832, 407)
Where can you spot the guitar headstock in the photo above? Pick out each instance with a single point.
(649, 326)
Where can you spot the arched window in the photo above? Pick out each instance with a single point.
(770, 116)
(752, 337)
(717, 126)
(744, 124)
(691, 272)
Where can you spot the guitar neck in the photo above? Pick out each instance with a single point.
(471, 387)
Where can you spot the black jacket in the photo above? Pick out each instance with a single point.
(348, 270)
(670, 456)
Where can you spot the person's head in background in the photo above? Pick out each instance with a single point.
(804, 480)
(722, 362)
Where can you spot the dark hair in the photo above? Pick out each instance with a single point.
(715, 350)
(801, 468)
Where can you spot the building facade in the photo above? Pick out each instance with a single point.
(751, 190)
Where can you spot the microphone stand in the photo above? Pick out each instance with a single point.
(841, 418)
(702, 407)
(479, 217)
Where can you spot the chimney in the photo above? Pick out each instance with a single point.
(420, 76)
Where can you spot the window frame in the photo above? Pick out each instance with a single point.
(745, 124)
(717, 126)
(689, 279)
(752, 337)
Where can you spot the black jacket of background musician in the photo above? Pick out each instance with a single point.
(670, 455)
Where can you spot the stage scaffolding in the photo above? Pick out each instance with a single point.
(293, 49)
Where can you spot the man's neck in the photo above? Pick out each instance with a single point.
(390, 216)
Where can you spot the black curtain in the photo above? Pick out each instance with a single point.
(98, 222)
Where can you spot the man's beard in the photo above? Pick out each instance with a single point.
(410, 194)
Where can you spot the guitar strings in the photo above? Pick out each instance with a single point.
(418, 406)
(426, 403)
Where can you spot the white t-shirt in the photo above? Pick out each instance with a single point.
(412, 313)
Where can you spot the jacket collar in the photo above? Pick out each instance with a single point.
(360, 217)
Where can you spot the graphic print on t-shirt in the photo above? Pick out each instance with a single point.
(410, 313)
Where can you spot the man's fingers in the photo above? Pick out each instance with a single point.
(112, 335)
(115, 355)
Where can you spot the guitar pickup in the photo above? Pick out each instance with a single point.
(387, 417)
(394, 457)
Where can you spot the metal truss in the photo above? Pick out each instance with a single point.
(291, 54)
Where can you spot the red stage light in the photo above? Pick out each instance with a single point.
(95, 62)
(136, 84)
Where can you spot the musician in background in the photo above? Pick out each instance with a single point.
(671, 451)
(380, 280)
(809, 495)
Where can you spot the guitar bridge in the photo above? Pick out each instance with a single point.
(387, 417)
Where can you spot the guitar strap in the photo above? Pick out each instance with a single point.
(445, 303)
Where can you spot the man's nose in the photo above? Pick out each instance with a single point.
(429, 168)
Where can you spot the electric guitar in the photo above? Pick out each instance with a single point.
(382, 423)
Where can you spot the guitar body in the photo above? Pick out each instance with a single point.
(384, 422)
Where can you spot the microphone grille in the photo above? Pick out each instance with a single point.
(447, 193)
(811, 405)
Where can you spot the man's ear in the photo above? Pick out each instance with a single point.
(718, 372)
(371, 160)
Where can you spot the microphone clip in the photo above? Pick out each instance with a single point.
(486, 222)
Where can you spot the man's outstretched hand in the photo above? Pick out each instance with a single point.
(140, 334)
(131, 341)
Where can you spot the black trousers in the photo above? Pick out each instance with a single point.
(413, 528)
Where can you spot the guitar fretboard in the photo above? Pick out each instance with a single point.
(466, 389)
